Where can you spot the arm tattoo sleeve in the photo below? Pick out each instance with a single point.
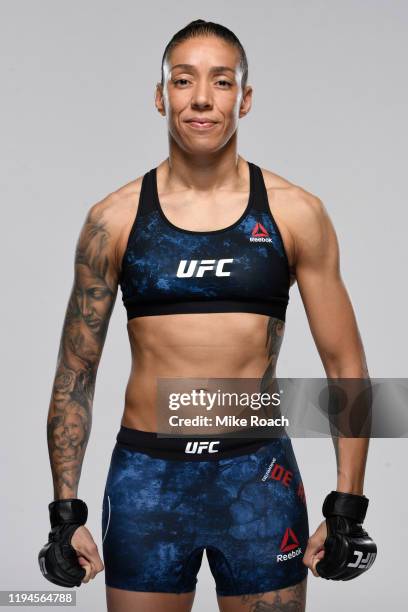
(83, 335)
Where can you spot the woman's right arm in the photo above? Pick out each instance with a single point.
(83, 335)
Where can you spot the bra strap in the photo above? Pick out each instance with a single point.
(260, 201)
(146, 201)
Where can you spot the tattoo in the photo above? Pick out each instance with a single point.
(274, 337)
(83, 335)
(291, 599)
(299, 590)
(249, 599)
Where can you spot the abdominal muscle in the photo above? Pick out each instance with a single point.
(198, 346)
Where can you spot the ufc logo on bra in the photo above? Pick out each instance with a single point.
(197, 448)
(204, 265)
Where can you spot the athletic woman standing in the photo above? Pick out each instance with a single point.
(204, 248)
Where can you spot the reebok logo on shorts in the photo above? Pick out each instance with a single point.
(289, 546)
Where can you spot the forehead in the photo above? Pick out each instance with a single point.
(204, 53)
(72, 417)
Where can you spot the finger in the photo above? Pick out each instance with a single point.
(93, 571)
(313, 568)
(89, 566)
(89, 551)
(311, 557)
(87, 569)
(310, 552)
(95, 560)
(315, 561)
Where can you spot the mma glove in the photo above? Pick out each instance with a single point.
(349, 550)
(58, 559)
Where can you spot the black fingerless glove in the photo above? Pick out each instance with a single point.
(58, 559)
(349, 550)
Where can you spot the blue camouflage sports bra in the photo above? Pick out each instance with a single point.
(240, 268)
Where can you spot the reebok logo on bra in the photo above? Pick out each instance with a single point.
(259, 234)
(204, 265)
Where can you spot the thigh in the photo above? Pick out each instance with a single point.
(291, 599)
(119, 600)
(262, 523)
(148, 537)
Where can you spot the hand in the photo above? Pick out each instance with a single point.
(87, 551)
(315, 548)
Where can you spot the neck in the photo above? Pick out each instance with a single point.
(203, 172)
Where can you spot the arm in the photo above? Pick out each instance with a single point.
(83, 335)
(332, 323)
(335, 332)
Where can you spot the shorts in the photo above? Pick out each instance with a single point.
(244, 504)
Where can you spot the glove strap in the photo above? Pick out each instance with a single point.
(68, 511)
(345, 504)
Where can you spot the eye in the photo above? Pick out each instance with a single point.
(96, 293)
(179, 81)
(225, 82)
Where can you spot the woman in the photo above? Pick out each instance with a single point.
(204, 248)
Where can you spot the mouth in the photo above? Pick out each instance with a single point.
(93, 323)
(201, 125)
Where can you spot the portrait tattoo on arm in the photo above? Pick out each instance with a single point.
(83, 335)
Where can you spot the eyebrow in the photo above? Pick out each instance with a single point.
(213, 69)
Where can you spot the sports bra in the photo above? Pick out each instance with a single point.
(240, 268)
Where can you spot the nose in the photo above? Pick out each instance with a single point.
(201, 97)
(86, 304)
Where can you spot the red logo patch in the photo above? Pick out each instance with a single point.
(281, 474)
(301, 492)
(289, 541)
(259, 231)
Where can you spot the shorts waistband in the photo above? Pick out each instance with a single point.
(189, 448)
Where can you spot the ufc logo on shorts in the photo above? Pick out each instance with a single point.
(204, 265)
(363, 563)
(197, 448)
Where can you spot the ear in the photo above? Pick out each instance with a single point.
(159, 99)
(246, 103)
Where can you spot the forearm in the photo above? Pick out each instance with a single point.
(83, 335)
(70, 410)
(350, 422)
(351, 456)
(68, 430)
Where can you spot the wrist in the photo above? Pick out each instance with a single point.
(353, 489)
(349, 484)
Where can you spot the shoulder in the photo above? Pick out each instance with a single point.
(112, 217)
(114, 207)
(302, 212)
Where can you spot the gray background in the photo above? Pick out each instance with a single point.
(78, 121)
